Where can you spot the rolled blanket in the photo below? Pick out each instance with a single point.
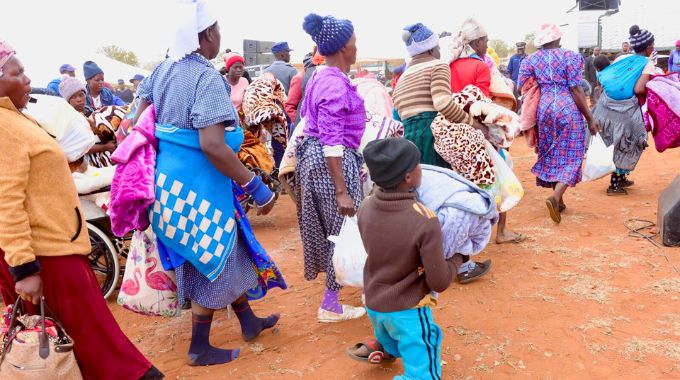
(531, 97)
(466, 212)
(255, 154)
(504, 124)
(663, 111)
(376, 98)
(133, 187)
(263, 106)
(501, 92)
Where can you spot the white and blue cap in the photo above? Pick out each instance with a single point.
(419, 39)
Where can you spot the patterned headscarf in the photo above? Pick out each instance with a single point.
(263, 101)
(6, 52)
(547, 34)
(457, 47)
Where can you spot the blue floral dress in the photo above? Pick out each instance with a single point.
(561, 127)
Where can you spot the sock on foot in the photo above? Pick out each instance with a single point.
(330, 301)
(200, 350)
(251, 325)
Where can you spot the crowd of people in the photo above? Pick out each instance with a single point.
(426, 192)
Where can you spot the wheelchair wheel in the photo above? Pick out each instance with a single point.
(103, 260)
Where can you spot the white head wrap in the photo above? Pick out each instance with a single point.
(457, 47)
(471, 30)
(193, 17)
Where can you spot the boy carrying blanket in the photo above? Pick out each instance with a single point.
(405, 262)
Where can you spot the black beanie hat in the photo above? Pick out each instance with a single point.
(390, 159)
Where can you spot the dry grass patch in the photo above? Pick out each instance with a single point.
(636, 349)
(537, 232)
(666, 286)
(596, 323)
(671, 323)
(586, 287)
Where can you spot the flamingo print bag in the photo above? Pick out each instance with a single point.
(147, 288)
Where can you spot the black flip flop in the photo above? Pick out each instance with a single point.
(376, 354)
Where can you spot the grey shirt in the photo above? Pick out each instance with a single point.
(283, 71)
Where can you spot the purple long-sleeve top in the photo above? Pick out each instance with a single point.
(333, 109)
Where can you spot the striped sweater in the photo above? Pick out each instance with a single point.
(426, 86)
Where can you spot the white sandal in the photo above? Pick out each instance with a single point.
(348, 312)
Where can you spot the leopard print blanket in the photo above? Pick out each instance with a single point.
(463, 146)
(263, 108)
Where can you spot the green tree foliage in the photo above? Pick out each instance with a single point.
(531, 45)
(120, 54)
(501, 48)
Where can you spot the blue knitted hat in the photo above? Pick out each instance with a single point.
(419, 39)
(90, 69)
(329, 33)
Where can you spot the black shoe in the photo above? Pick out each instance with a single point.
(153, 374)
(480, 270)
(612, 191)
(626, 183)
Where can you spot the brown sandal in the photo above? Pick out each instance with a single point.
(554, 210)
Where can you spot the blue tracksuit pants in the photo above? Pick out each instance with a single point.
(412, 336)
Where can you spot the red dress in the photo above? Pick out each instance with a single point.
(470, 71)
(71, 291)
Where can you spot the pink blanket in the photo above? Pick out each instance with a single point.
(531, 96)
(133, 187)
(663, 111)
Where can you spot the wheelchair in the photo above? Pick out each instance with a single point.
(107, 249)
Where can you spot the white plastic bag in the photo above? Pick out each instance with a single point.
(349, 255)
(507, 189)
(599, 160)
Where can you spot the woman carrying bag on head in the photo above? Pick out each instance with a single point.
(45, 240)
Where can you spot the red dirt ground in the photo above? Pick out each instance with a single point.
(579, 300)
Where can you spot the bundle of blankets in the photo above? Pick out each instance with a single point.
(464, 147)
(504, 125)
(466, 213)
(263, 109)
(663, 110)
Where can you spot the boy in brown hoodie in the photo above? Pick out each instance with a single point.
(405, 259)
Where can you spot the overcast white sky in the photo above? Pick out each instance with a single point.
(60, 27)
(46, 32)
